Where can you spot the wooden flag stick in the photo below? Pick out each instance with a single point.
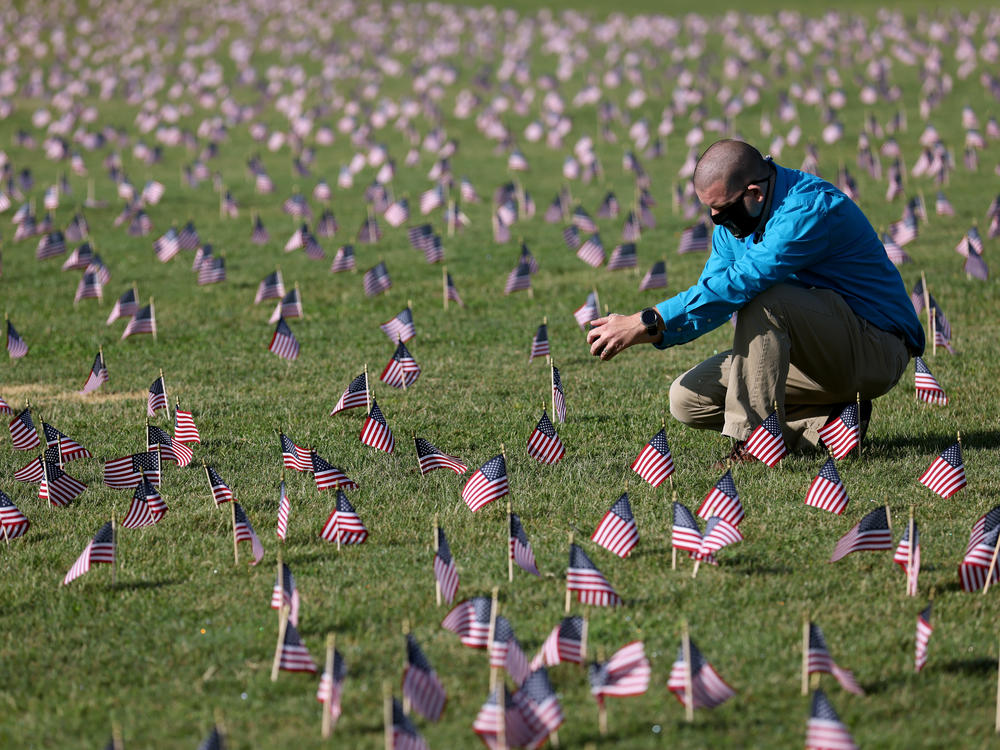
(387, 714)
(993, 567)
(927, 307)
(888, 518)
(858, 402)
(507, 549)
(697, 564)
(437, 583)
(688, 687)
(236, 548)
(909, 557)
(492, 635)
(805, 654)
(330, 650)
(152, 313)
(502, 710)
(552, 383)
(282, 626)
(406, 663)
(444, 286)
(368, 399)
(673, 550)
(6, 535)
(583, 636)
(568, 592)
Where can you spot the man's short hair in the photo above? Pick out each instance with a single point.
(733, 163)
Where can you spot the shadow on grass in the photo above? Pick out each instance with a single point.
(142, 585)
(931, 444)
(752, 565)
(971, 666)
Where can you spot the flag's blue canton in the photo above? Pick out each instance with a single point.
(343, 504)
(495, 468)
(443, 550)
(874, 521)
(578, 558)
(659, 442)
(821, 708)
(953, 455)
(727, 485)
(415, 655)
(622, 508)
(517, 530)
(829, 472)
(684, 517)
(545, 426)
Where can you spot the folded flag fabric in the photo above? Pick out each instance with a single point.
(819, 660)
(295, 656)
(685, 534)
(520, 547)
(824, 730)
(331, 685)
(590, 585)
(344, 526)
(375, 431)
(544, 444)
(540, 343)
(421, 685)
(655, 462)
(907, 556)
(708, 689)
(842, 434)
(23, 433)
(286, 594)
(100, 549)
(488, 483)
(617, 531)
(470, 621)
(327, 476)
(283, 341)
(870, 533)
(445, 572)
(946, 474)
(723, 501)
(928, 388)
(564, 643)
(430, 458)
(827, 491)
(625, 674)
(292, 456)
(98, 374)
(126, 472)
(354, 396)
(766, 442)
(245, 533)
(13, 522)
(924, 630)
(220, 490)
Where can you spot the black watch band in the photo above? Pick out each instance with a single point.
(650, 318)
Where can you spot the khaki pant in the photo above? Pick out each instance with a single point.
(804, 349)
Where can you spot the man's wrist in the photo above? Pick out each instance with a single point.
(652, 322)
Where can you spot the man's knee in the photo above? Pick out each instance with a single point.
(683, 402)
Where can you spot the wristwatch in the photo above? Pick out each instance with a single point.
(650, 318)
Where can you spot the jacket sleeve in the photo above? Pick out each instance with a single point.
(795, 237)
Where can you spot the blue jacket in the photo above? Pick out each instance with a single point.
(814, 236)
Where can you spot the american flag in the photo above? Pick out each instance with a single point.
(897, 255)
(924, 630)
(59, 487)
(623, 256)
(582, 220)
(201, 257)
(540, 343)
(100, 272)
(286, 594)
(139, 513)
(520, 547)
(609, 207)
(402, 369)
(631, 228)
(719, 533)
(506, 651)
(571, 236)
(344, 525)
(563, 644)
(558, 395)
(16, 347)
(431, 199)
(295, 205)
(157, 398)
(259, 235)
(870, 533)
(354, 396)
(185, 430)
(245, 533)
(655, 278)
(294, 456)
(101, 549)
(827, 491)
(343, 260)
(400, 327)
(283, 342)
(331, 686)
(766, 442)
(591, 251)
(544, 444)
(536, 708)
(167, 246)
(212, 271)
(404, 734)
(214, 741)
(723, 501)
(819, 660)
(326, 475)
(271, 287)
(377, 280)
(445, 571)
(68, 449)
(375, 431)
(13, 521)
(617, 531)
(470, 621)
(289, 307)
(979, 552)
(90, 287)
(80, 258)
(975, 267)
(588, 311)
(429, 458)
(398, 212)
(487, 721)
(942, 206)
(842, 434)
(31, 472)
(295, 656)
(170, 449)
(946, 474)
(708, 689)
(144, 321)
(220, 490)
(452, 292)
(149, 494)
(685, 534)
(583, 577)
(488, 483)
(902, 557)
(927, 386)
(188, 237)
(298, 239)
(824, 730)
(421, 684)
(5, 407)
(626, 673)
(942, 328)
(51, 245)
(519, 279)
(468, 191)
(655, 462)
(693, 239)
(284, 511)
(23, 433)
(420, 236)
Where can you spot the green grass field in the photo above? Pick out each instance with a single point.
(185, 634)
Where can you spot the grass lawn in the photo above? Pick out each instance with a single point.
(186, 634)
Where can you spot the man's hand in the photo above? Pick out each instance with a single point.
(614, 333)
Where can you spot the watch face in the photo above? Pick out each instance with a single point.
(649, 317)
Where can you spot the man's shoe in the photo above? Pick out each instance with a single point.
(737, 455)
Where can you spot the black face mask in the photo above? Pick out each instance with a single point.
(737, 219)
